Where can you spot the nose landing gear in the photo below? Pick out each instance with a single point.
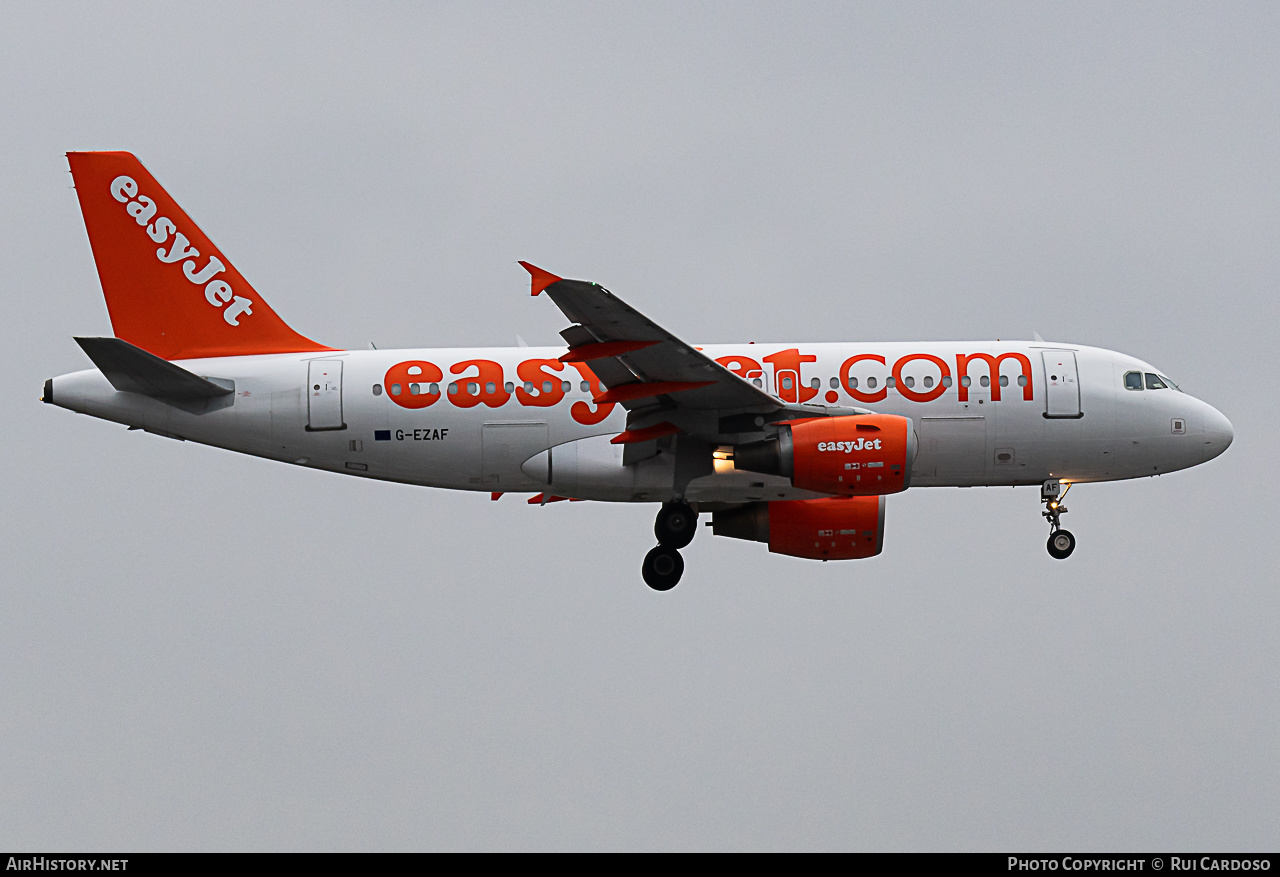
(675, 528)
(1061, 542)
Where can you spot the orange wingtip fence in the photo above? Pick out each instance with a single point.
(541, 279)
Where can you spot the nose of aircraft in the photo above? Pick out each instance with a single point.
(1217, 433)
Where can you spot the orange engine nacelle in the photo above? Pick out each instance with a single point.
(839, 528)
(851, 455)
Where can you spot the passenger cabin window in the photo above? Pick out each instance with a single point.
(1133, 380)
(1154, 383)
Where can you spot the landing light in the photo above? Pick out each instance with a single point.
(722, 460)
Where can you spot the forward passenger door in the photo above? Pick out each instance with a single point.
(1061, 384)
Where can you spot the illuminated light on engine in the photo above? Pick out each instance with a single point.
(722, 460)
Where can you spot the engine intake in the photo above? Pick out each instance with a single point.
(853, 455)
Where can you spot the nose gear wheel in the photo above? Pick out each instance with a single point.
(1061, 542)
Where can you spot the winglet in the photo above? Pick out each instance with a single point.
(541, 279)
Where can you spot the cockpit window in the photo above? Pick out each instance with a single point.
(1170, 383)
(1133, 380)
(1154, 383)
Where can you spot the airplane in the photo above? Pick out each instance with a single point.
(793, 445)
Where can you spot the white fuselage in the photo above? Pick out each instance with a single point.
(1008, 419)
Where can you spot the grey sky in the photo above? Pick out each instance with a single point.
(206, 651)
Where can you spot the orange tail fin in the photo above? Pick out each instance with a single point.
(168, 289)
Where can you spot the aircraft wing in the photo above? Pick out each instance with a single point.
(666, 385)
(641, 364)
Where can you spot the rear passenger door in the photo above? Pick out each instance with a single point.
(324, 394)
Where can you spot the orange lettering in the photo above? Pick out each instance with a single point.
(402, 377)
(742, 366)
(531, 371)
(879, 395)
(488, 375)
(581, 411)
(928, 395)
(993, 369)
(790, 361)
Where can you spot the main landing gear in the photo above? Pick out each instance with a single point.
(1061, 542)
(675, 528)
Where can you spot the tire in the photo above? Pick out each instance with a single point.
(662, 569)
(676, 525)
(1061, 544)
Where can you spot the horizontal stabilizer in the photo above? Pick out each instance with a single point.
(131, 369)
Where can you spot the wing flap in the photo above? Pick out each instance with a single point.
(604, 350)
